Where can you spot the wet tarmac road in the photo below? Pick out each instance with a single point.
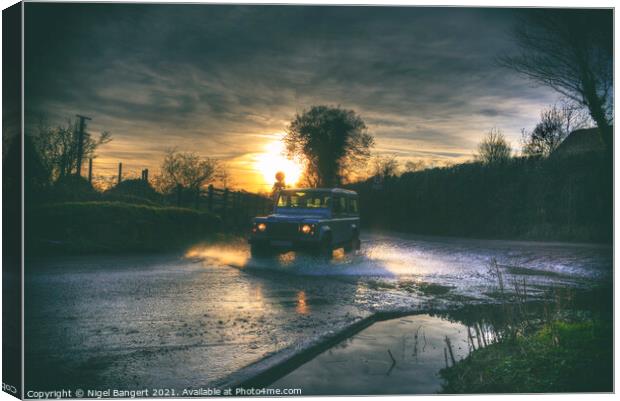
(181, 321)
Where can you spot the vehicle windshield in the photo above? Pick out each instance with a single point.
(304, 200)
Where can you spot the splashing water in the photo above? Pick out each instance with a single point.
(456, 263)
(392, 257)
(222, 255)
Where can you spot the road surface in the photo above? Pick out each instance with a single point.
(181, 321)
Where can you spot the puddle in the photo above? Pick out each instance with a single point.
(398, 356)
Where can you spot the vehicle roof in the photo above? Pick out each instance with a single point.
(332, 190)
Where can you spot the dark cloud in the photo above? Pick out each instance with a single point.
(205, 77)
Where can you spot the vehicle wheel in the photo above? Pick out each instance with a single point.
(260, 251)
(357, 243)
(348, 247)
(325, 248)
(354, 244)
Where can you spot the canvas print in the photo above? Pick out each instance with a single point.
(209, 200)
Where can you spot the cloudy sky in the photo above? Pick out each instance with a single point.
(224, 81)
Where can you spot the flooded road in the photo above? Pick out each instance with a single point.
(208, 316)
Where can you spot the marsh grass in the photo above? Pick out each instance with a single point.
(562, 343)
(559, 357)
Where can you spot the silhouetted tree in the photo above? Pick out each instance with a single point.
(556, 123)
(223, 175)
(333, 141)
(385, 166)
(58, 147)
(186, 170)
(570, 51)
(493, 149)
(413, 166)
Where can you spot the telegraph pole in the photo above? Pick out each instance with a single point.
(80, 144)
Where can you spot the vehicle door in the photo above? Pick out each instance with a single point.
(345, 219)
(354, 217)
(336, 223)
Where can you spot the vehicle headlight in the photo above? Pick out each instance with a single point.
(307, 228)
(261, 227)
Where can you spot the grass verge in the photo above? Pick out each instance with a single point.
(559, 357)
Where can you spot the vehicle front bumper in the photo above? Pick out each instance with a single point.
(284, 243)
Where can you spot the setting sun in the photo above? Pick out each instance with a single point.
(272, 160)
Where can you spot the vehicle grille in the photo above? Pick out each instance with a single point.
(282, 230)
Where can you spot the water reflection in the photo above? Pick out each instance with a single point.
(399, 356)
(339, 255)
(302, 305)
(286, 259)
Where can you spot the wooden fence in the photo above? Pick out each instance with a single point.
(235, 208)
(235, 205)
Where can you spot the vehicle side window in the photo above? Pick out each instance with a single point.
(353, 206)
(317, 202)
(335, 205)
(343, 204)
(308, 200)
(339, 205)
(282, 201)
(294, 201)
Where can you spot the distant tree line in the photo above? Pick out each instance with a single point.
(523, 197)
(500, 193)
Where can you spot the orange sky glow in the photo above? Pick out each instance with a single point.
(253, 171)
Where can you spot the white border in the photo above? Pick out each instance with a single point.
(479, 3)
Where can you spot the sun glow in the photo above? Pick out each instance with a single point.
(272, 160)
